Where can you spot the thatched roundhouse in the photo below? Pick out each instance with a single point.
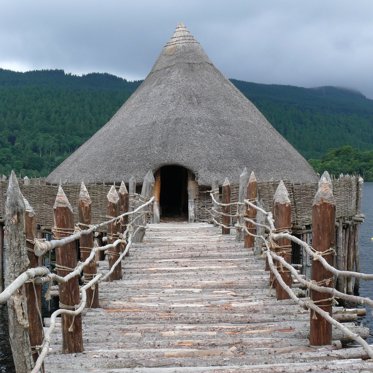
(185, 121)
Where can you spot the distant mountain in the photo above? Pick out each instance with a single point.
(45, 115)
(315, 120)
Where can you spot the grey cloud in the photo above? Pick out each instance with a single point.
(307, 43)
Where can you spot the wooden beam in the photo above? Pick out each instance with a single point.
(226, 199)
(112, 233)
(123, 205)
(282, 218)
(146, 193)
(17, 262)
(251, 194)
(66, 261)
(157, 198)
(323, 241)
(33, 291)
(244, 178)
(192, 195)
(1, 257)
(86, 245)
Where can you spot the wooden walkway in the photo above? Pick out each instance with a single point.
(192, 300)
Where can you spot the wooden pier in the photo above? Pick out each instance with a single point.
(193, 300)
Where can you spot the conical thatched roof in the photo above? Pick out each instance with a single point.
(185, 113)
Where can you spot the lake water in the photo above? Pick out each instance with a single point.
(366, 287)
(366, 251)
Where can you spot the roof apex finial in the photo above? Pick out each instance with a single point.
(181, 36)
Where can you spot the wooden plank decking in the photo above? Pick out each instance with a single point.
(192, 300)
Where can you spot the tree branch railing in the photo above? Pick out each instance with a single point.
(278, 264)
(16, 246)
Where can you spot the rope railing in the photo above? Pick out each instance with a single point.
(98, 278)
(24, 248)
(278, 265)
(39, 272)
(42, 247)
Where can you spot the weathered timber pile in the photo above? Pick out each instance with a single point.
(195, 301)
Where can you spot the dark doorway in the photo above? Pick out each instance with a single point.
(174, 192)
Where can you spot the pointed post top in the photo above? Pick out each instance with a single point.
(244, 172)
(123, 188)
(149, 176)
(281, 195)
(325, 178)
(226, 182)
(14, 202)
(324, 193)
(83, 194)
(28, 207)
(113, 196)
(252, 177)
(132, 185)
(62, 200)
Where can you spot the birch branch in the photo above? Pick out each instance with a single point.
(312, 306)
(321, 289)
(21, 280)
(55, 314)
(42, 247)
(320, 258)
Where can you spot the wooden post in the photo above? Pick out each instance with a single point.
(340, 257)
(132, 192)
(282, 217)
(251, 195)
(66, 261)
(112, 233)
(157, 198)
(123, 205)
(1, 256)
(146, 193)
(17, 262)
(323, 240)
(244, 178)
(215, 192)
(33, 291)
(226, 199)
(86, 245)
(192, 189)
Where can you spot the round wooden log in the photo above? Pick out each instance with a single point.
(86, 245)
(226, 199)
(132, 191)
(282, 217)
(157, 198)
(192, 189)
(123, 208)
(251, 194)
(215, 191)
(1, 256)
(146, 193)
(66, 261)
(112, 233)
(17, 262)
(123, 205)
(244, 179)
(323, 240)
(33, 291)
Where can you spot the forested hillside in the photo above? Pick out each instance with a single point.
(45, 115)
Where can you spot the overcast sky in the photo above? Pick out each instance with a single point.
(299, 42)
